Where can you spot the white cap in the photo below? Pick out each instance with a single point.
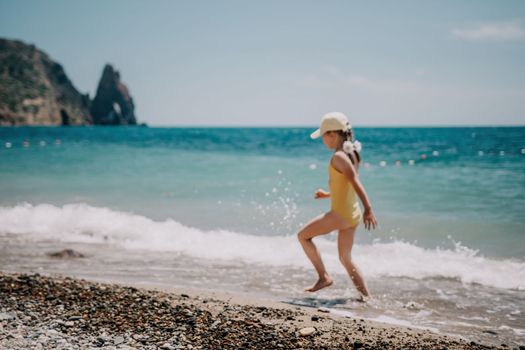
(330, 122)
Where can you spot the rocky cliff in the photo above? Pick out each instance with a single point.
(112, 105)
(35, 90)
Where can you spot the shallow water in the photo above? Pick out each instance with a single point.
(219, 209)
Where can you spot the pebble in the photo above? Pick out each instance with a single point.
(7, 316)
(307, 331)
(118, 340)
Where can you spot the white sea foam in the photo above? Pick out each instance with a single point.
(517, 331)
(385, 319)
(83, 223)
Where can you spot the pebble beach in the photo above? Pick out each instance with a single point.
(57, 312)
(158, 175)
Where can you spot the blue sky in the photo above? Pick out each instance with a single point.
(287, 62)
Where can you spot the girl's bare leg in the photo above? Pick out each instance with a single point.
(321, 225)
(345, 242)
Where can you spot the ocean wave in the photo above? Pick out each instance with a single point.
(80, 222)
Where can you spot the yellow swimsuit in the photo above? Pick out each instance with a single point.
(343, 196)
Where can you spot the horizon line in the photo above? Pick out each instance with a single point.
(316, 126)
(236, 126)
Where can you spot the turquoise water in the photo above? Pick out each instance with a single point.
(219, 208)
(267, 176)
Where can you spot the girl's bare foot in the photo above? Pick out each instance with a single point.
(320, 284)
(364, 298)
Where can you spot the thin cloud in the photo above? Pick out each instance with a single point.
(510, 31)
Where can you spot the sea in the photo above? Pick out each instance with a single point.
(219, 208)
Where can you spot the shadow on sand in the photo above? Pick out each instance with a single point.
(321, 302)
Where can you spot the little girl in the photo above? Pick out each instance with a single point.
(345, 213)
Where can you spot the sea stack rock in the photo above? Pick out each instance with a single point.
(113, 104)
(35, 90)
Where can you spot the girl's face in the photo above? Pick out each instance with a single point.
(331, 139)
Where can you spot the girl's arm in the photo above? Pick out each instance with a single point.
(343, 164)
